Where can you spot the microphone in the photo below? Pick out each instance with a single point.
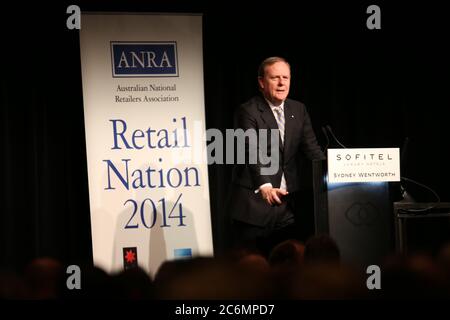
(403, 187)
(326, 136)
(334, 137)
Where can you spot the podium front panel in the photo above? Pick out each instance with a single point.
(358, 216)
(360, 220)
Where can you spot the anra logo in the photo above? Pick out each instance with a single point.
(144, 59)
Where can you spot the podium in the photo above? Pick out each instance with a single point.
(358, 216)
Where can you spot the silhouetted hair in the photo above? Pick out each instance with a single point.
(43, 276)
(134, 283)
(287, 252)
(321, 248)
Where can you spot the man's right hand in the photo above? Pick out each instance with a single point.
(272, 195)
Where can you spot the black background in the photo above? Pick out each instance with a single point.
(373, 87)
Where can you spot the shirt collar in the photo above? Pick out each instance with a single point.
(272, 106)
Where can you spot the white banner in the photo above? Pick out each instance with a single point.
(144, 118)
(363, 165)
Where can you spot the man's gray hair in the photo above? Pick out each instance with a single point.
(268, 62)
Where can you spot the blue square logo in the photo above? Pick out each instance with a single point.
(182, 253)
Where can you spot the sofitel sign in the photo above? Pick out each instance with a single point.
(363, 165)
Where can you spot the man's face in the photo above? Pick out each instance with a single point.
(276, 82)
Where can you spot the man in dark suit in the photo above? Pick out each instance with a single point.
(262, 206)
